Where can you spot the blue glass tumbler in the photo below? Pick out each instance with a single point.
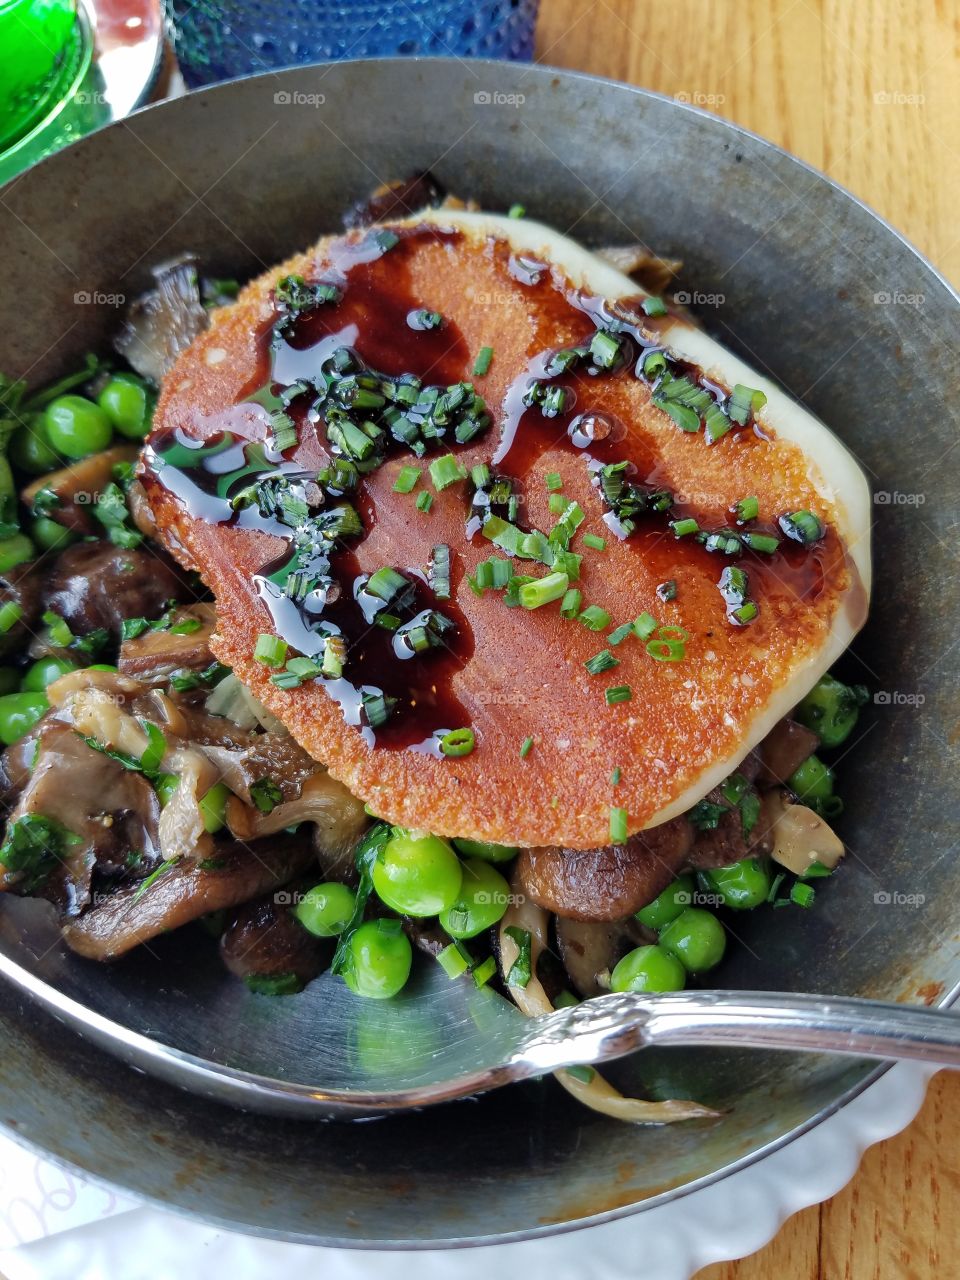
(221, 39)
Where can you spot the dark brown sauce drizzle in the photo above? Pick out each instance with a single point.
(371, 318)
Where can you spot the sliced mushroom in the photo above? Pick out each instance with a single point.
(262, 939)
(339, 819)
(265, 756)
(783, 750)
(610, 883)
(155, 655)
(164, 321)
(78, 486)
(184, 891)
(654, 273)
(112, 812)
(726, 843)
(590, 950)
(595, 1093)
(95, 584)
(798, 836)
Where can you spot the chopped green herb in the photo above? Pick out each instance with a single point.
(554, 482)
(483, 972)
(10, 614)
(593, 542)
(521, 969)
(618, 825)
(616, 776)
(621, 633)
(458, 742)
(439, 574)
(654, 306)
(407, 480)
(803, 527)
(454, 960)
(265, 794)
(618, 693)
(600, 662)
(270, 650)
(424, 319)
(802, 894)
(153, 877)
(666, 650)
(681, 528)
(526, 748)
(482, 363)
(595, 618)
(544, 590)
(746, 509)
(744, 402)
(667, 590)
(765, 543)
(516, 211)
(570, 604)
(425, 501)
(645, 626)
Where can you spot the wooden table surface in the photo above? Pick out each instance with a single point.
(869, 92)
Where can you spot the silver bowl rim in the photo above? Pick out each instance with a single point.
(59, 1006)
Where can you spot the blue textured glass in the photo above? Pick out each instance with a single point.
(221, 39)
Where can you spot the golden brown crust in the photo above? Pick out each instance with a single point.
(527, 676)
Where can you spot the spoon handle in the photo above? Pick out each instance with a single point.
(611, 1026)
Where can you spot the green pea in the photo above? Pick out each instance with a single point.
(696, 938)
(668, 904)
(76, 426)
(831, 709)
(483, 849)
(326, 909)
(213, 807)
(19, 712)
(379, 957)
(417, 874)
(648, 969)
(813, 780)
(742, 886)
(165, 786)
(9, 680)
(14, 551)
(43, 672)
(102, 666)
(483, 900)
(8, 486)
(128, 403)
(30, 447)
(49, 535)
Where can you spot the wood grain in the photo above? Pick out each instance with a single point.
(869, 92)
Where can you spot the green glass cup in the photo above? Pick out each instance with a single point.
(40, 53)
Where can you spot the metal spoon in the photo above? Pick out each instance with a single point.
(330, 1053)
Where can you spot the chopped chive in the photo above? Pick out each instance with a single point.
(424, 500)
(526, 748)
(334, 657)
(716, 423)
(621, 633)
(377, 707)
(747, 612)
(422, 318)
(407, 480)
(440, 571)
(654, 363)
(605, 349)
(600, 662)
(666, 650)
(554, 481)
(594, 543)
(746, 509)
(763, 542)
(270, 650)
(687, 419)
(482, 973)
(386, 584)
(802, 895)
(543, 590)
(683, 527)
(385, 240)
(482, 363)
(618, 693)
(616, 776)
(595, 618)
(744, 402)
(570, 604)
(802, 526)
(453, 960)
(618, 825)
(446, 471)
(458, 742)
(654, 306)
(645, 626)
(557, 504)
(516, 211)
(667, 590)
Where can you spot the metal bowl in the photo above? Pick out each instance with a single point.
(787, 269)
